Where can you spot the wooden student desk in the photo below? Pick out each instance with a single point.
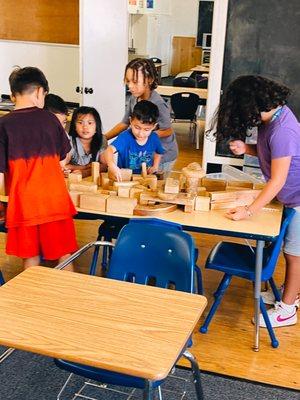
(167, 91)
(263, 226)
(200, 68)
(119, 326)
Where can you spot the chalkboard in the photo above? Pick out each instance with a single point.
(205, 17)
(263, 37)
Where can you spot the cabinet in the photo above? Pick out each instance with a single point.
(103, 55)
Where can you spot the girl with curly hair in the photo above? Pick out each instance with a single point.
(254, 101)
(141, 79)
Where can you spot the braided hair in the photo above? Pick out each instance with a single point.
(147, 67)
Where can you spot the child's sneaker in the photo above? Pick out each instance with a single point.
(269, 298)
(280, 315)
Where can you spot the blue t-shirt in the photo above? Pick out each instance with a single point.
(132, 155)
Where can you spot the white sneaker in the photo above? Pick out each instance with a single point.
(269, 298)
(279, 316)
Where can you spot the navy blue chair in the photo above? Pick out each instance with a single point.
(236, 259)
(150, 252)
(1, 279)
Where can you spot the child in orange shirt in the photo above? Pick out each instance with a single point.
(33, 145)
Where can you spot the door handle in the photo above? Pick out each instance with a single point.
(88, 90)
(78, 89)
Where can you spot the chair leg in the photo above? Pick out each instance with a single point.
(148, 391)
(93, 267)
(6, 354)
(218, 297)
(63, 387)
(263, 310)
(198, 280)
(196, 374)
(274, 289)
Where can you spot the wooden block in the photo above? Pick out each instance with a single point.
(188, 208)
(181, 198)
(123, 191)
(137, 178)
(201, 190)
(95, 201)
(155, 209)
(222, 205)
(166, 196)
(120, 205)
(74, 177)
(127, 184)
(84, 187)
(213, 184)
(135, 193)
(239, 184)
(104, 180)
(239, 195)
(75, 196)
(126, 174)
(172, 185)
(160, 184)
(108, 192)
(151, 182)
(202, 203)
(259, 186)
(95, 171)
(144, 170)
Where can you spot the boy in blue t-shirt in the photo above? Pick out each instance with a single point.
(137, 144)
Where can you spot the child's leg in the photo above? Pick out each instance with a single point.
(31, 262)
(69, 267)
(292, 279)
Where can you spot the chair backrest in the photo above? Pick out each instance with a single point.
(184, 81)
(154, 252)
(271, 253)
(184, 105)
(202, 83)
(1, 279)
(156, 60)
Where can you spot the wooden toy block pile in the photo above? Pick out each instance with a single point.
(147, 195)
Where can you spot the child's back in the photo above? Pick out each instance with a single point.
(35, 143)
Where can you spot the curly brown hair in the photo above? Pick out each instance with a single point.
(147, 67)
(242, 103)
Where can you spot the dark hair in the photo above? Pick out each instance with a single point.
(55, 104)
(147, 68)
(27, 79)
(241, 104)
(96, 142)
(145, 111)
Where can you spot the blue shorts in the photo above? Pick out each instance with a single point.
(292, 236)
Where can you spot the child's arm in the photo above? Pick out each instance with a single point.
(155, 166)
(164, 132)
(238, 147)
(120, 127)
(279, 172)
(102, 161)
(112, 167)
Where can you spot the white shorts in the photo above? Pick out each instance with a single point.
(292, 236)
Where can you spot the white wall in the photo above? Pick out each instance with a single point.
(152, 33)
(60, 64)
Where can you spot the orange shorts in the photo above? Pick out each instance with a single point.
(51, 240)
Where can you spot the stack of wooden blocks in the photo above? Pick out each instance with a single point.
(147, 195)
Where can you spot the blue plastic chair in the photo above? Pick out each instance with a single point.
(236, 259)
(154, 252)
(1, 279)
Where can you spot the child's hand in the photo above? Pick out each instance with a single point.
(116, 172)
(237, 213)
(238, 147)
(152, 170)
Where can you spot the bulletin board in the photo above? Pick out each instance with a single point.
(47, 21)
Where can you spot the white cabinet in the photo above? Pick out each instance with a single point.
(103, 54)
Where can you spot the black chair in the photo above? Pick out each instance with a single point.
(184, 81)
(155, 60)
(185, 106)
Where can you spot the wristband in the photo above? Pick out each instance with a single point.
(249, 212)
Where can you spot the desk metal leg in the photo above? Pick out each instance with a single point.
(148, 391)
(196, 374)
(257, 289)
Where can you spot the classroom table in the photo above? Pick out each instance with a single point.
(200, 68)
(167, 91)
(262, 227)
(119, 326)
